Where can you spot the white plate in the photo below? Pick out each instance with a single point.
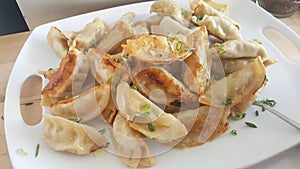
(249, 147)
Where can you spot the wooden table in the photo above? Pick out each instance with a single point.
(10, 46)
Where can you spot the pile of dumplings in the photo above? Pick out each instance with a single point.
(173, 78)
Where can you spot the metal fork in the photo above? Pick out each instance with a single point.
(278, 114)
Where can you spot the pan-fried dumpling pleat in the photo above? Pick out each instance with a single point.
(165, 24)
(226, 66)
(146, 117)
(241, 49)
(129, 145)
(204, 123)
(236, 86)
(90, 35)
(172, 92)
(65, 135)
(110, 112)
(58, 41)
(68, 80)
(85, 106)
(222, 7)
(198, 66)
(120, 31)
(220, 27)
(156, 49)
(201, 8)
(102, 66)
(170, 8)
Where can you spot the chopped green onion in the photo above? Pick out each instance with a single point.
(102, 131)
(268, 102)
(125, 55)
(117, 77)
(199, 18)
(28, 104)
(256, 113)
(227, 102)
(147, 106)
(251, 125)
(109, 80)
(151, 127)
(99, 153)
(233, 132)
(222, 51)
(37, 150)
(145, 114)
(76, 120)
(257, 41)
(93, 43)
(189, 49)
(21, 152)
(50, 69)
(179, 45)
(239, 117)
(134, 87)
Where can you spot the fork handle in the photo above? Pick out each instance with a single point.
(278, 114)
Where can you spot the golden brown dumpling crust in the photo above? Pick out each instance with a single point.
(197, 133)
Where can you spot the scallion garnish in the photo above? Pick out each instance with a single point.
(233, 132)
(134, 87)
(109, 80)
(251, 125)
(257, 41)
(145, 114)
(21, 152)
(150, 127)
(76, 120)
(179, 45)
(199, 18)
(189, 49)
(227, 102)
(147, 106)
(268, 102)
(256, 113)
(93, 43)
(37, 150)
(239, 117)
(50, 69)
(102, 131)
(125, 55)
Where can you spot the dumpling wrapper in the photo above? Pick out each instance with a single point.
(129, 145)
(156, 49)
(242, 107)
(58, 41)
(204, 123)
(165, 24)
(65, 135)
(85, 106)
(120, 31)
(68, 80)
(220, 27)
(233, 49)
(196, 74)
(131, 105)
(102, 66)
(170, 8)
(223, 8)
(201, 8)
(163, 88)
(90, 35)
(236, 86)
